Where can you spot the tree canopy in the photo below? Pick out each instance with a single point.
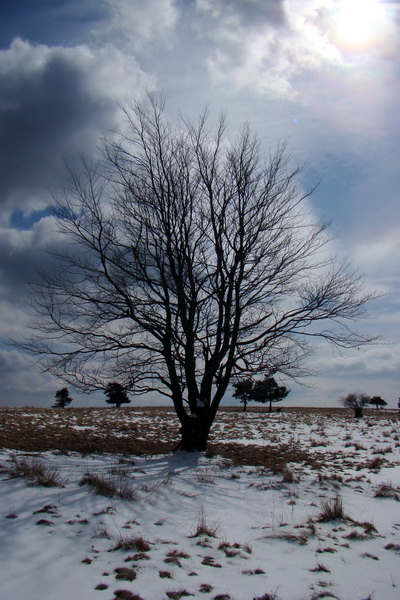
(190, 259)
(116, 394)
(378, 402)
(62, 398)
(264, 390)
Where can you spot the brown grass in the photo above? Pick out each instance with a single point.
(117, 431)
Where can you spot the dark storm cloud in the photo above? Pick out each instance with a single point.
(50, 21)
(42, 110)
(54, 102)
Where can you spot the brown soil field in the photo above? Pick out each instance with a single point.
(155, 430)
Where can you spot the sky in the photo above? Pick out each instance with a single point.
(322, 74)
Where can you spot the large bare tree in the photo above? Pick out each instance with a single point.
(191, 260)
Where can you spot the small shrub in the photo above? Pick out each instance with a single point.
(205, 588)
(101, 586)
(165, 575)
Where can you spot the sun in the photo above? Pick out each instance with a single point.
(357, 23)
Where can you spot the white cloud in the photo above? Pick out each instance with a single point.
(265, 50)
(139, 23)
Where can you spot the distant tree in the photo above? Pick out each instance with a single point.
(263, 390)
(267, 390)
(398, 404)
(116, 394)
(62, 398)
(356, 401)
(378, 402)
(243, 390)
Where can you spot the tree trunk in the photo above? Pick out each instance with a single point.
(244, 405)
(358, 412)
(194, 433)
(270, 406)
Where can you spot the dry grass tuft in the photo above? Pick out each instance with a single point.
(267, 597)
(137, 543)
(173, 557)
(101, 586)
(394, 547)
(35, 471)
(209, 561)
(126, 595)
(165, 575)
(332, 510)
(205, 588)
(320, 568)
(125, 573)
(387, 490)
(253, 572)
(107, 486)
(204, 528)
(177, 594)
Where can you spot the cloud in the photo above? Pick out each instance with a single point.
(18, 372)
(269, 47)
(22, 255)
(263, 45)
(53, 103)
(138, 24)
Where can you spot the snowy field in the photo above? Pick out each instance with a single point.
(323, 523)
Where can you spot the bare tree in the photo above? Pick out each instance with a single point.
(357, 402)
(191, 261)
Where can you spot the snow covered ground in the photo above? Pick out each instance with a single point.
(191, 526)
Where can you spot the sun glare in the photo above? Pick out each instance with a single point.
(358, 23)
